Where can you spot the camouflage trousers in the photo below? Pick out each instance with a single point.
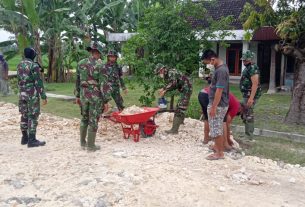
(248, 114)
(90, 111)
(248, 117)
(115, 94)
(30, 110)
(183, 102)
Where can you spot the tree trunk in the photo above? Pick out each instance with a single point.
(296, 113)
(95, 33)
(52, 60)
(37, 47)
(38, 50)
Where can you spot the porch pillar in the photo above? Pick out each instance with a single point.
(245, 48)
(271, 89)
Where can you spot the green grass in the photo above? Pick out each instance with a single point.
(62, 108)
(13, 62)
(270, 112)
(279, 149)
(60, 88)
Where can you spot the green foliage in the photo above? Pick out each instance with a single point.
(29, 6)
(258, 15)
(288, 20)
(293, 27)
(248, 35)
(8, 4)
(23, 42)
(13, 82)
(166, 35)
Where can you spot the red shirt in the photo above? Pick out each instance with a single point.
(234, 103)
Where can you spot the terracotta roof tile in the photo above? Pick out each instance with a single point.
(222, 8)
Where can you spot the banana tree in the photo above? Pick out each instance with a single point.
(91, 16)
(58, 28)
(13, 20)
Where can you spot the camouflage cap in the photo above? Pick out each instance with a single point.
(112, 52)
(248, 55)
(158, 67)
(95, 46)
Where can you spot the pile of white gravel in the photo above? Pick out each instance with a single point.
(164, 170)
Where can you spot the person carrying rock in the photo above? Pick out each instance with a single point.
(175, 80)
(92, 92)
(31, 89)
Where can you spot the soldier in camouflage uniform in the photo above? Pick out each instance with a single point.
(30, 91)
(115, 78)
(251, 91)
(175, 81)
(92, 92)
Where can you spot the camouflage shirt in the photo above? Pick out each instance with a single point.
(246, 83)
(115, 74)
(91, 81)
(29, 82)
(176, 80)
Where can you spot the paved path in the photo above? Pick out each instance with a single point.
(12, 73)
(64, 97)
(270, 133)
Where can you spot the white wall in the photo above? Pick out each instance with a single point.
(223, 54)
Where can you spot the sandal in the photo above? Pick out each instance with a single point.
(214, 157)
(212, 148)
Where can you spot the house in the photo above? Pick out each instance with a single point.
(276, 69)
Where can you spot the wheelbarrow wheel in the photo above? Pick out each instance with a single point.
(148, 129)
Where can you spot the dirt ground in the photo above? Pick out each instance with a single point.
(158, 171)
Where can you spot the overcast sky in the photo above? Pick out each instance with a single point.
(4, 35)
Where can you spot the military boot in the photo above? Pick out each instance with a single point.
(91, 141)
(249, 129)
(24, 138)
(176, 124)
(33, 142)
(83, 134)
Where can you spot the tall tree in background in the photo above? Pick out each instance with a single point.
(13, 19)
(62, 23)
(289, 20)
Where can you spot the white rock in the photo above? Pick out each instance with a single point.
(275, 183)
(221, 189)
(242, 170)
(292, 180)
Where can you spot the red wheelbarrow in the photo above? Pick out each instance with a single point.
(136, 124)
